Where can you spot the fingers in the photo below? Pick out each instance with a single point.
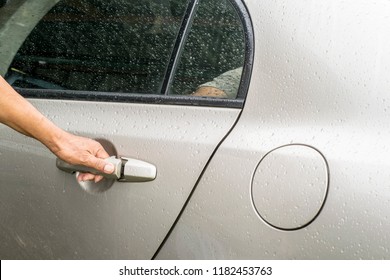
(84, 151)
(101, 165)
(94, 155)
(97, 162)
(83, 177)
(101, 152)
(98, 178)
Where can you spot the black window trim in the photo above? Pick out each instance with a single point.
(179, 46)
(245, 18)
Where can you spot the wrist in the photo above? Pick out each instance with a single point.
(51, 136)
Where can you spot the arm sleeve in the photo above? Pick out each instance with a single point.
(228, 82)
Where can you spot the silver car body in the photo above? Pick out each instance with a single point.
(320, 78)
(301, 172)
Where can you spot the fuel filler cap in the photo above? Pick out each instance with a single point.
(290, 186)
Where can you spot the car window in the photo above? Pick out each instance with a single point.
(99, 45)
(214, 52)
(171, 48)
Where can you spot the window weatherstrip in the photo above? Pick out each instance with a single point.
(246, 20)
(156, 99)
(179, 46)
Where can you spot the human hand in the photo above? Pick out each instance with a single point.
(83, 151)
(22, 116)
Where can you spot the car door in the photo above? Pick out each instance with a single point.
(307, 164)
(122, 72)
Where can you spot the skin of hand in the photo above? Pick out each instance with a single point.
(82, 151)
(17, 113)
(210, 92)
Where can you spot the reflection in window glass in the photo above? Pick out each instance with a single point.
(211, 64)
(100, 45)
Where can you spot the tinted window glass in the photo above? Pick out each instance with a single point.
(214, 52)
(100, 45)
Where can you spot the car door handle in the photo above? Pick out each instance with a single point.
(125, 169)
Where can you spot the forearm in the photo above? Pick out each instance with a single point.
(17, 113)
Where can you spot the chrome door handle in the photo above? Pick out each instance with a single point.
(125, 169)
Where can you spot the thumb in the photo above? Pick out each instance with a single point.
(101, 165)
